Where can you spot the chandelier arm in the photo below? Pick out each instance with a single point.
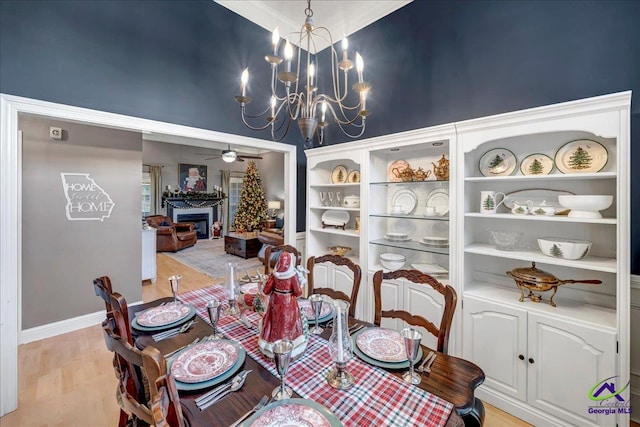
(362, 128)
(244, 120)
(346, 120)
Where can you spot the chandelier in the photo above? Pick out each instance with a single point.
(294, 94)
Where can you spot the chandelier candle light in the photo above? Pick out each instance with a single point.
(301, 101)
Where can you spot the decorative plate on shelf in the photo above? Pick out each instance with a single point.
(439, 199)
(339, 175)
(399, 165)
(335, 217)
(497, 162)
(354, 176)
(293, 412)
(536, 164)
(581, 156)
(406, 199)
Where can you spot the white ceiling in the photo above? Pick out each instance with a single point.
(342, 18)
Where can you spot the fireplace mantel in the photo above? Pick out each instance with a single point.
(177, 206)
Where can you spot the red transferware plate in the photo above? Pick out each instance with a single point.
(163, 315)
(305, 304)
(204, 361)
(382, 344)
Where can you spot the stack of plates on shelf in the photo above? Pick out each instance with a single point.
(438, 242)
(382, 347)
(206, 364)
(431, 269)
(397, 237)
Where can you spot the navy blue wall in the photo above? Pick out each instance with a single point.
(431, 62)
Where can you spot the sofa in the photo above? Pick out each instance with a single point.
(172, 236)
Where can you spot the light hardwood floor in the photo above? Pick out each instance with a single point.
(68, 380)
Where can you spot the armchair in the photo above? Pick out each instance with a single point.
(172, 236)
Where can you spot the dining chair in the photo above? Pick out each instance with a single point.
(103, 289)
(336, 260)
(140, 373)
(280, 248)
(450, 299)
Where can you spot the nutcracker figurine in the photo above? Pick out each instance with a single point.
(283, 319)
(216, 230)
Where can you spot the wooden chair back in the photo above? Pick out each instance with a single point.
(337, 260)
(450, 300)
(138, 372)
(280, 248)
(103, 289)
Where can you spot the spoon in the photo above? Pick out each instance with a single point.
(212, 393)
(235, 386)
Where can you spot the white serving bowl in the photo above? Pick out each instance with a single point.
(585, 206)
(392, 261)
(558, 247)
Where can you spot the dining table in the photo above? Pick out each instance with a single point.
(445, 396)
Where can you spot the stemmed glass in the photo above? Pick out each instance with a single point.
(330, 198)
(339, 198)
(282, 356)
(412, 340)
(323, 198)
(316, 305)
(175, 284)
(213, 307)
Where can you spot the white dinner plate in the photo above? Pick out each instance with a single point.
(536, 164)
(497, 162)
(581, 156)
(406, 199)
(439, 199)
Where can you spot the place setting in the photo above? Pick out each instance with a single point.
(384, 348)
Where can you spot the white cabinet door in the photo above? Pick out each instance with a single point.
(423, 300)
(338, 278)
(567, 360)
(496, 340)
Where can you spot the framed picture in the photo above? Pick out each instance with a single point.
(192, 177)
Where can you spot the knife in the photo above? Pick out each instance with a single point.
(427, 369)
(256, 408)
(425, 361)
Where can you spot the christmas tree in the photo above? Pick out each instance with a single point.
(252, 208)
(488, 203)
(497, 161)
(536, 167)
(580, 159)
(556, 251)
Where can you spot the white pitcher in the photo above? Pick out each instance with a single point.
(489, 201)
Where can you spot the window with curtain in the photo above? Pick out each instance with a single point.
(146, 193)
(235, 188)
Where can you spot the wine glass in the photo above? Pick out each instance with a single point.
(175, 284)
(412, 339)
(339, 198)
(330, 194)
(213, 307)
(323, 198)
(282, 356)
(316, 305)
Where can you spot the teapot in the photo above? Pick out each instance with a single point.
(406, 174)
(441, 170)
(421, 174)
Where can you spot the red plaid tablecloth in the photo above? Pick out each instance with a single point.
(378, 398)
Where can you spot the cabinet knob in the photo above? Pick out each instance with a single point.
(531, 360)
(521, 357)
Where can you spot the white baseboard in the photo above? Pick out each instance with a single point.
(63, 326)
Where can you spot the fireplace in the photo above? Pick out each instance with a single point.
(201, 220)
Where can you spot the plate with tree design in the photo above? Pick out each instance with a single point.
(498, 162)
(536, 164)
(339, 175)
(581, 156)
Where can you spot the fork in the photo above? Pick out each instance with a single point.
(172, 332)
(219, 389)
(425, 362)
(263, 402)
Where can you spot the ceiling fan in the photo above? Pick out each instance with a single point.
(231, 156)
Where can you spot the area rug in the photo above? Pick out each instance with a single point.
(209, 257)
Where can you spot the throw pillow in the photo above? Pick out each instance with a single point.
(164, 224)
